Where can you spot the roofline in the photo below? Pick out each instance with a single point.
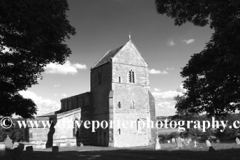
(122, 46)
(138, 51)
(101, 58)
(100, 65)
(75, 95)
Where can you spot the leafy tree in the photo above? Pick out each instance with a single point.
(182, 111)
(213, 75)
(32, 34)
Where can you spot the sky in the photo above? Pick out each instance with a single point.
(104, 25)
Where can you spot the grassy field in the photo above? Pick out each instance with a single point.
(224, 151)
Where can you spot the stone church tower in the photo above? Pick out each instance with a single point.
(120, 92)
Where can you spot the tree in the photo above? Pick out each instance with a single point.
(213, 75)
(182, 110)
(32, 34)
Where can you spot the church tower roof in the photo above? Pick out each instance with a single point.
(110, 54)
(107, 57)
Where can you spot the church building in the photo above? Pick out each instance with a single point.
(119, 92)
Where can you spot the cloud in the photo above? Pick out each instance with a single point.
(56, 85)
(188, 41)
(165, 104)
(55, 94)
(154, 71)
(170, 69)
(167, 94)
(64, 95)
(156, 89)
(66, 68)
(43, 105)
(181, 89)
(171, 43)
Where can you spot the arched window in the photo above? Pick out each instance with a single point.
(131, 77)
(133, 105)
(119, 104)
(138, 124)
(119, 131)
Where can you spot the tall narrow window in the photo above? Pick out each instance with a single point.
(99, 78)
(138, 124)
(119, 104)
(119, 131)
(131, 77)
(119, 79)
(133, 105)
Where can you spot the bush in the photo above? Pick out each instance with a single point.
(163, 137)
(173, 135)
(3, 135)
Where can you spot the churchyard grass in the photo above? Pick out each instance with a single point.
(224, 151)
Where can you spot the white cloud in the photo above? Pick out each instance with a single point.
(156, 89)
(80, 66)
(55, 94)
(64, 95)
(165, 104)
(188, 41)
(181, 89)
(43, 105)
(66, 68)
(170, 69)
(154, 71)
(171, 43)
(167, 94)
(56, 85)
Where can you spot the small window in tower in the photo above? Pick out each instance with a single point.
(138, 120)
(133, 105)
(99, 78)
(119, 104)
(119, 131)
(131, 77)
(119, 79)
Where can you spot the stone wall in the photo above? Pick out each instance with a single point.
(101, 78)
(60, 128)
(77, 101)
(129, 55)
(132, 135)
(84, 102)
(152, 116)
(130, 98)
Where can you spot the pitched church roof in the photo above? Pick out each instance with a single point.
(110, 54)
(107, 57)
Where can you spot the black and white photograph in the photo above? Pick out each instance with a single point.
(119, 79)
